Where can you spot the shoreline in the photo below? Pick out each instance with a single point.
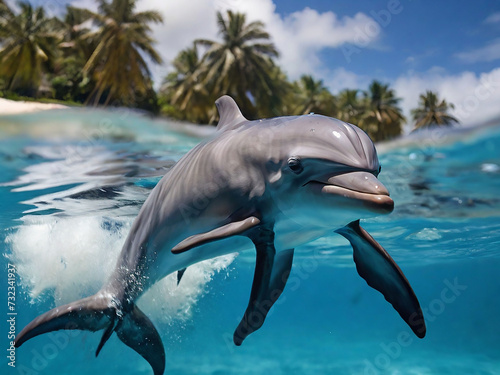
(13, 107)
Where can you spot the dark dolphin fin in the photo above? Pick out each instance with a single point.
(380, 272)
(281, 270)
(270, 277)
(139, 333)
(232, 229)
(180, 273)
(91, 314)
(106, 335)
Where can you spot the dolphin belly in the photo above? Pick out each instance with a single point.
(167, 262)
(289, 235)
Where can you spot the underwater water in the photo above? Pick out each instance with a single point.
(71, 183)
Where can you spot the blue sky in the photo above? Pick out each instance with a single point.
(420, 36)
(452, 47)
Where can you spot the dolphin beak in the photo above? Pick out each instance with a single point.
(363, 187)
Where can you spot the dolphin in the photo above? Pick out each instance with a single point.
(271, 184)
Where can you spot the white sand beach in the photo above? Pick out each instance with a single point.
(12, 107)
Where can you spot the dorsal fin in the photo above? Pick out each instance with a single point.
(229, 113)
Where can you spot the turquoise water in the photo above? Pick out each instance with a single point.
(72, 182)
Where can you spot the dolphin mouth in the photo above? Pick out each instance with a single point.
(361, 187)
(376, 202)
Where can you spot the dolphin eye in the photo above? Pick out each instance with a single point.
(379, 170)
(295, 165)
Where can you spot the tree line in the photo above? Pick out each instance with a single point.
(101, 58)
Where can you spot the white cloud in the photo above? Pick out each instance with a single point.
(475, 97)
(340, 79)
(183, 22)
(87, 4)
(12, 4)
(302, 35)
(410, 60)
(299, 36)
(490, 52)
(493, 18)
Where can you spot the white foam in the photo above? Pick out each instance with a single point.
(426, 234)
(72, 257)
(490, 168)
(72, 165)
(67, 256)
(167, 301)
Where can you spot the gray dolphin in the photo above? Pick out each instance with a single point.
(277, 184)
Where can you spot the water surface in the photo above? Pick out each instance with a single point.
(73, 181)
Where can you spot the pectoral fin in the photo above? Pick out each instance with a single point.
(281, 270)
(270, 277)
(380, 272)
(232, 229)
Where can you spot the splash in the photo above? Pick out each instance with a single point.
(82, 199)
(68, 258)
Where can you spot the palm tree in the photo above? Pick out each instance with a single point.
(5, 14)
(76, 39)
(314, 97)
(117, 62)
(382, 118)
(242, 64)
(431, 111)
(349, 106)
(4, 9)
(281, 100)
(183, 90)
(69, 81)
(28, 47)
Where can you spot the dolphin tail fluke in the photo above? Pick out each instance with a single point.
(138, 332)
(100, 312)
(92, 314)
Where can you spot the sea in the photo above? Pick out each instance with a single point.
(72, 182)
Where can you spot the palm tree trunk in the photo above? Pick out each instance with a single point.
(87, 101)
(108, 98)
(98, 96)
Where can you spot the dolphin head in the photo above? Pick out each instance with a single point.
(326, 171)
